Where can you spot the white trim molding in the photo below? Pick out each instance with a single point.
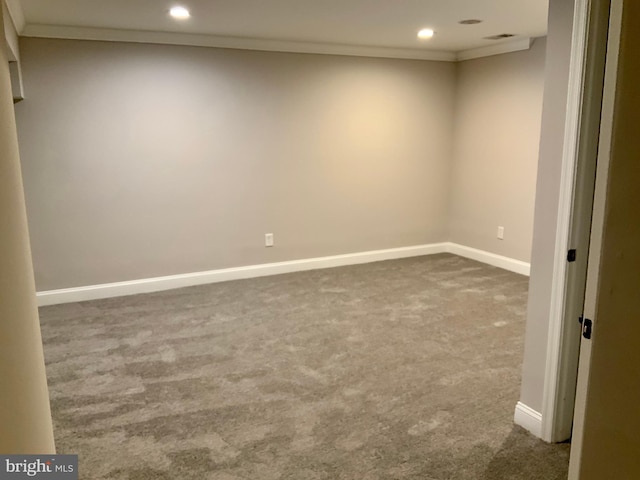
(562, 347)
(517, 45)
(527, 418)
(199, 40)
(597, 231)
(241, 43)
(506, 263)
(157, 284)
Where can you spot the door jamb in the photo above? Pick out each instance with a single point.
(575, 206)
(591, 300)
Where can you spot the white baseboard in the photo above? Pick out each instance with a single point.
(528, 419)
(157, 284)
(506, 263)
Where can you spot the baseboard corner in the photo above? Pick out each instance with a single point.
(149, 285)
(500, 261)
(529, 419)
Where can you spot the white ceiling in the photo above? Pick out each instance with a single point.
(363, 23)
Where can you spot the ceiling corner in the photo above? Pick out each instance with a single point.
(16, 13)
(517, 45)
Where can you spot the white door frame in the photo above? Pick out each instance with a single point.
(597, 230)
(588, 53)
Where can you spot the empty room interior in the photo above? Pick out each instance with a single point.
(285, 239)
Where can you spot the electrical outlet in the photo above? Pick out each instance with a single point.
(501, 233)
(268, 239)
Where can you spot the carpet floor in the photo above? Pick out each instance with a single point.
(404, 369)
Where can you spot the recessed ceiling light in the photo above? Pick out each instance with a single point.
(426, 33)
(471, 21)
(179, 12)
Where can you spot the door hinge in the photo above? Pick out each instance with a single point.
(587, 327)
(571, 255)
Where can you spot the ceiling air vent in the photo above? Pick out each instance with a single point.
(502, 36)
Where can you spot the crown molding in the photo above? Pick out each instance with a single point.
(174, 38)
(240, 43)
(16, 14)
(503, 47)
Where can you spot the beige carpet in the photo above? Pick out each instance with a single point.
(406, 369)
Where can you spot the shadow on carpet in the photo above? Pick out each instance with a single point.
(524, 457)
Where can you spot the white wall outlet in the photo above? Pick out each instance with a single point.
(268, 239)
(501, 233)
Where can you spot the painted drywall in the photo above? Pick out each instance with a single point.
(25, 417)
(495, 153)
(611, 423)
(547, 200)
(150, 160)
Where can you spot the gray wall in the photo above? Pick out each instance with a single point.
(495, 156)
(150, 160)
(547, 200)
